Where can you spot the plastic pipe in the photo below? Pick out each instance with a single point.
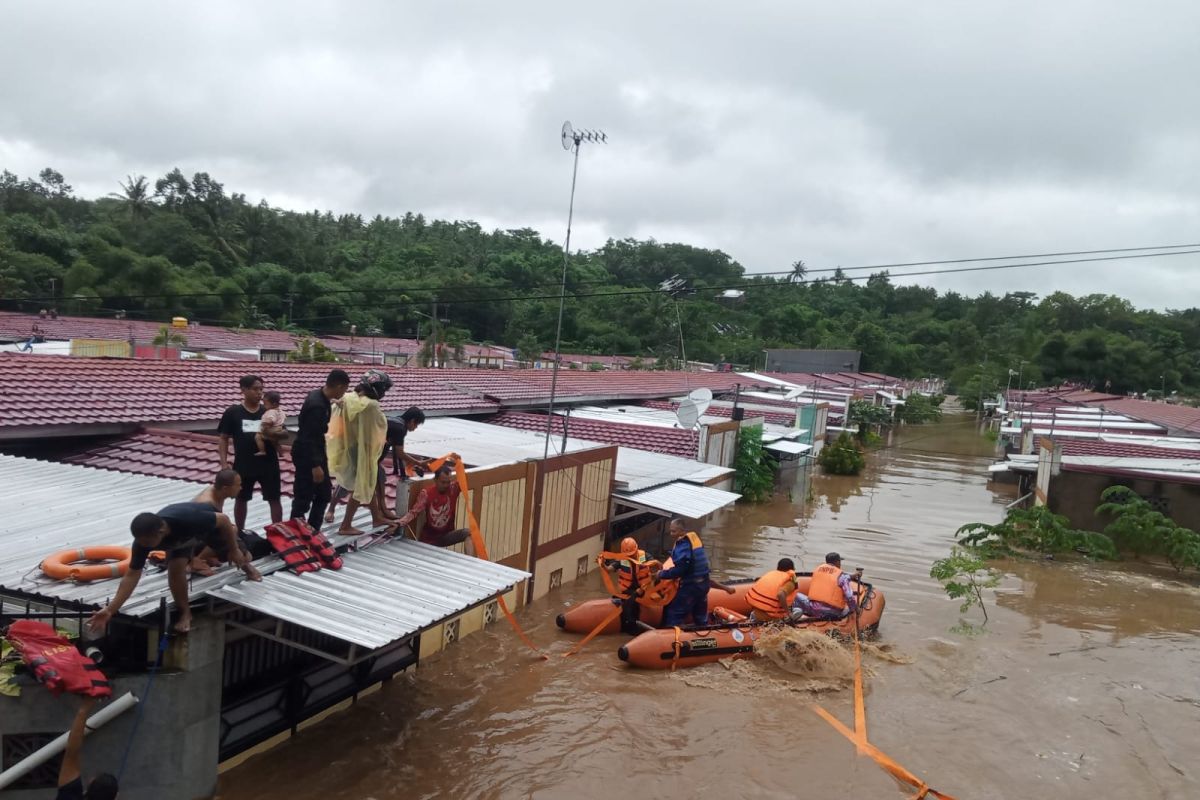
(49, 751)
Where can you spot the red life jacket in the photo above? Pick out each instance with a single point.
(292, 548)
(55, 662)
(317, 543)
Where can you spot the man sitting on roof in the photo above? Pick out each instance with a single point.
(178, 529)
(439, 501)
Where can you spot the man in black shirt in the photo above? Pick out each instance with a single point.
(312, 488)
(178, 529)
(398, 430)
(240, 423)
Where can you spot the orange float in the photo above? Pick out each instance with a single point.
(583, 617)
(64, 566)
(735, 636)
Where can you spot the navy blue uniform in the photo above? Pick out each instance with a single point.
(690, 566)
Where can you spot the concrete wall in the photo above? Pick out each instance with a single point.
(793, 360)
(174, 752)
(1075, 495)
(567, 560)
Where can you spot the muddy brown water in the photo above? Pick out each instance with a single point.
(1086, 683)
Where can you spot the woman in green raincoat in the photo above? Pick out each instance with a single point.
(357, 434)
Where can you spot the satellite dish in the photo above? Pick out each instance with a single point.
(688, 414)
(702, 397)
(568, 136)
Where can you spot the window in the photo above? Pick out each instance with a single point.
(17, 746)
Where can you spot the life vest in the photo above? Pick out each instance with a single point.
(700, 569)
(824, 587)
(55, 662)
(292, 548)
(626, 571)
(764, 594)
(318, 544)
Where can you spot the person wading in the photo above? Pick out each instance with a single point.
(241, 423)
(689, 565)
(633, 573)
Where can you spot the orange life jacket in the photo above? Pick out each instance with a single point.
(824, 587)
(764, 594)
(625, 572)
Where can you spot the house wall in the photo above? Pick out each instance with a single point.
(1075, 495)
(719, 443)
(175, 751)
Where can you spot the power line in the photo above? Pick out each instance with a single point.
(459, 287)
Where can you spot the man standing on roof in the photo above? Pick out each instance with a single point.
(312, 488)
(398, 430)
(439, 501)
(179, 529)
(241, 423)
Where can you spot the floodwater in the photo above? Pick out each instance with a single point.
(1085, 684)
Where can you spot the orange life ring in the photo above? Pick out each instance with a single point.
(62, 565)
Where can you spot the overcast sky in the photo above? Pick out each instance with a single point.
(841, 135)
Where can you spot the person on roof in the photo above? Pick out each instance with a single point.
(179, 529)
(312, 487)
(70, 778)
(830, 595)
(633, 573)
(439, 501)
(225, 486)
(271, 432)
(689, 565)
(241, 423)
(358, 431)
(772, 595)
(398, 430)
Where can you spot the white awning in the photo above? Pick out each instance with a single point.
(790, 448)
(679, 499)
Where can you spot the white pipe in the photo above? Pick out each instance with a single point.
(49, 751)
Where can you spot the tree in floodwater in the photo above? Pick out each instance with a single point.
(842, 457)
(754, 475)
(1037, 530)
(1137, 526)
(964, 576)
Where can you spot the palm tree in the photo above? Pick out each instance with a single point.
(135, 191)
(166, 337)
(799, 271)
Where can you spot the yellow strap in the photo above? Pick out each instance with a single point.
(677, 647)
(481, 548)
(579, 645)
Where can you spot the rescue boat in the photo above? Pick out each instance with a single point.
(734, 635)
(585, 616)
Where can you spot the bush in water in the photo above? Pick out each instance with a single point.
(1035, 529)
(843, 457)
(755, 477)
(1138, 527)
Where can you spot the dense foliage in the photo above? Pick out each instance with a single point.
(755, 475)
(921, 408)
(1037, 530)
(842, 456)
(1138, 528)
(184, 245)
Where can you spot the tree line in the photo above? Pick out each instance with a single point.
(180, 245)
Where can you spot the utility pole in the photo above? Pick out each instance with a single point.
(979, 408)
(433, 338)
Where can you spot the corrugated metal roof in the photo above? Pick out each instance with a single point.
(791, 448)
(680, 499)
(379, 595)
(51, 507)
(706, 473)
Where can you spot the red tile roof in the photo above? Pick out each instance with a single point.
(672, 441)
(1097, 447)
(1172, 417)
(15, 325)
(173, 454)
(51, 390)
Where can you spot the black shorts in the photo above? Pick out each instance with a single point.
(266, 477)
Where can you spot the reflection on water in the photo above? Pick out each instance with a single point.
(1086, 683)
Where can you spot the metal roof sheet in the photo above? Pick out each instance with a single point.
(707, 473)
(680, 499)
(791, 448)
(379, 595)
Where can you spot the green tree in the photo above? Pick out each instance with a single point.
(842, 457)
(529, 349)
(169, 337)
(964, 576)
(754, 476)
(1037, 530)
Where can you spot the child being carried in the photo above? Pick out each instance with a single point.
(271, 429)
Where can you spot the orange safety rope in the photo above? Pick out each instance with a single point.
(677, 648)
(481, 548)
(579, 645)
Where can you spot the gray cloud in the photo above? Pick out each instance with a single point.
(773, 130)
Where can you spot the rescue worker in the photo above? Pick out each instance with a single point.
(830, 595)
(70, 778)
(772, 595)
(633, 573)
(689, 565)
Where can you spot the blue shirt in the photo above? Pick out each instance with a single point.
(685, 562)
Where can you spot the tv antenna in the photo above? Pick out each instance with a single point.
(571, 140)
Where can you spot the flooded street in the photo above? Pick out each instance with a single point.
(1085, 684)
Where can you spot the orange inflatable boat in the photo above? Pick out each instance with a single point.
(583, 617)
(734, 636)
